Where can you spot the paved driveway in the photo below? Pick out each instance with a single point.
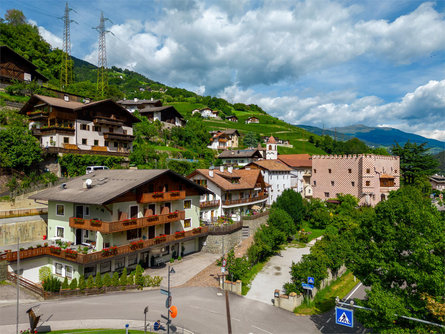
(275, 273)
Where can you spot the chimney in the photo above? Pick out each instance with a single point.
(135, 99)
(230, 169)
(66, 98)
(221, 169)
(211, 172)
(87, 184)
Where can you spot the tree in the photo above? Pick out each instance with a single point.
(15, 17)
(250, 140)
(90, 282)
(65, 284)
(291, 202)
(98, 281)
(415, 162)
(123, 279)
(18, 149)
(280, 219)
(82, 283)
(107, 280)
(115, 279)
(398, 251)
(73, 284)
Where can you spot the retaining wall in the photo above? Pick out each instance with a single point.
(32, 230)
(235, 287)
(214, 243)
(3, 270)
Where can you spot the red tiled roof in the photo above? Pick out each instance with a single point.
(247, 178)
(296, 160)
(273, 165)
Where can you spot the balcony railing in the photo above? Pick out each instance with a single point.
(126, 224)
(108, 121)
(73, 256)
(53, 129)
(161, 196)
(118, 136)
(39, 114)
(245, 200)
(209, 204)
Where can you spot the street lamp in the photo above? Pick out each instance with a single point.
(170, 271)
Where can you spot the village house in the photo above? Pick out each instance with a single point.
(136, 104)
(276, 174)
(65, 126)
(206, 113)
(278, 141)
(368, 177)
(233, 192)
(437, 182)
(115, 219)
(251, 120)
(232, 118)
(301, 165)
(239, 157)
(15, 67)
(224, 139)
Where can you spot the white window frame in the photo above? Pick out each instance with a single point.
(190, 222)
(55, 268)
(66, 272)
(187, 200)
(63, 232)
(63, 206)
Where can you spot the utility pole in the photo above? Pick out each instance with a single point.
(229, 322)
(18, 282)
(66, 70)
(102, 77)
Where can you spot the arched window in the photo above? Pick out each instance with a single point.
(270, 147)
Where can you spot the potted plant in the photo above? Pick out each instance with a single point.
(70, 253)
(136, 244)
(95, 222)
(55, 250)
(78, 220)
(179, 234)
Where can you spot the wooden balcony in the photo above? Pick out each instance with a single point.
(209, 204)
(162, 196)
(107, 121)
(245, 200)
(39, 114)
(54, 129)
(118, 136)
(126, 224)
(73, 256)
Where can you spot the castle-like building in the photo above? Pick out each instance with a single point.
(368, 177)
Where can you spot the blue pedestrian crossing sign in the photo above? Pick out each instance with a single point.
(310, 280)
(344, 317)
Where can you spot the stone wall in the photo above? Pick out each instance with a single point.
(235, 287)
(3, 270)
(32, 230)
(291, 301)
(255, 223)
(214, 243)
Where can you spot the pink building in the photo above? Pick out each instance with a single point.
(368, 177)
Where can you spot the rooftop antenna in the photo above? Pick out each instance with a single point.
(102, 77)
(66, 70)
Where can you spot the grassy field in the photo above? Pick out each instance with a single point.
(315, 232)
(325, 298)
(251, 275)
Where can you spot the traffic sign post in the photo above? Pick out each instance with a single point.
(310, 280)
(168, 302)
(307, 286)
(344, 317)
(165, 292)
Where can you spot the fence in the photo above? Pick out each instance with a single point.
(27, 284)
(255, 216)
(225, 229)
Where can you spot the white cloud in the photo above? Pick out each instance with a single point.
(53, 40)
(421, 112)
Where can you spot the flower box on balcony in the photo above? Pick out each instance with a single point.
(109, 251)
(179, 234)
(172, 215)
(131, 221)
(70, 253)
(160, 238)
(157, 195)
(95, 222)
(78, 220)
(136, 244)
(152, 218)
(175, 193)
(55, 250)
(197, 229)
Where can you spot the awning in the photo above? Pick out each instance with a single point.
(256, 207)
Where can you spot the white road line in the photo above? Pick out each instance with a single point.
(358, 286)
(261, 329)
(328, 320)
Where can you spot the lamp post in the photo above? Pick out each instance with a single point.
(170, 271)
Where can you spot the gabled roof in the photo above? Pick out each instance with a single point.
(296, 160)
(138, 102)
(271, 165)
(107, 185)
(232, 116)
(247, 178)
(240, 154)
(271, 140)
(231, 132)
(7, 50)
(437, 178)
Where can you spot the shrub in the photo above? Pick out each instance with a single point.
(82, 283)
(138, 278)
(44, 273)
(52, 284)
(90, 282)
(73, 284)
(65, 284)
(98, 281)
(123, 279)
(130, 279)
(152, 281)
(115, 279)
(107, 280)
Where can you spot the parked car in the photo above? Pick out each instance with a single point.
(91, 169)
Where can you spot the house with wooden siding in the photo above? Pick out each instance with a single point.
(115, 219)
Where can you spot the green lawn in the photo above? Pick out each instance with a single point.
(315, 232)
(251, 275)
(165, 148)
(13, 98)
(325, 299)
(98, 331)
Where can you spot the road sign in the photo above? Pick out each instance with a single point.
(224, 262)
(223, 269)
(344, 317)
(310, 280)
(168, 302)
(164, 292)
(307, 286)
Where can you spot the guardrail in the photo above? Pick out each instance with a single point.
(27, 284)
(225, 229)
(245, 200)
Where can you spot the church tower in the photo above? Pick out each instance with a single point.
(271, 149)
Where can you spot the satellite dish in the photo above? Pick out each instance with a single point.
(88, 182)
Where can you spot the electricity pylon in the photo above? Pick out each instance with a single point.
(102, 77)
(66, 69)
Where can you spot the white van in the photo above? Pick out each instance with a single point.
(91, 169)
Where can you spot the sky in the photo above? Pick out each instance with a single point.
(316, 62)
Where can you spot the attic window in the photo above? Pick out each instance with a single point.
(66, 98)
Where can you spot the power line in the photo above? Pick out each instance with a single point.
(102, 77)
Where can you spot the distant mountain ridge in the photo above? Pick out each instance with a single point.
(377, 136)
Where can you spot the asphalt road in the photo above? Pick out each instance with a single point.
(201, 310)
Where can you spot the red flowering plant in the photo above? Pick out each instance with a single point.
(109, 251)
(158, 194)
(70, 253)
(161, 238)
(55, 249)
(136, 244)
(197, 229)
(95, 222)
(179, 234)
(78, 220)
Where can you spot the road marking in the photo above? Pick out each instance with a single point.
(321, 328)
(328, 320)
(358, 286)
(261, 329)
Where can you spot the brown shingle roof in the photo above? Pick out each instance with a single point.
(106, 186)
(247, 178)
(61, 103)
(272, 165)
(296, 160)
(240, 154)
